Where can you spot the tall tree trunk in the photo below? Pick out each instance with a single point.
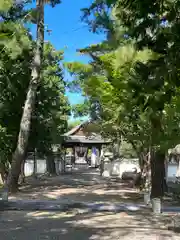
(22, 174)
(157, 174)
(141, 158)
(51, 168)
(25, 124)
(146, 173)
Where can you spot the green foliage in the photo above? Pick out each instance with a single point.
(72, 124)
(108, 85)
(14, 37)
(127, 151)
(135, 81)
(52, 108)
(5, 5)
(14, 79)
(81, 109)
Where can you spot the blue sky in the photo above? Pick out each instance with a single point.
(69, 33)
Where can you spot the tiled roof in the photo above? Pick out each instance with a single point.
(75, 129)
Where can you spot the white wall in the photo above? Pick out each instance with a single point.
(29, 166)
(117, 167)
(171, 171)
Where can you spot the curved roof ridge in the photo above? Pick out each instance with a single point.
(75, 129)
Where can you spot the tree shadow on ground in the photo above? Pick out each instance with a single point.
(85, 226)
(85, 187)
(82, 186)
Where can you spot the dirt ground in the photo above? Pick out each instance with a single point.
(84, 186)
(85, 226)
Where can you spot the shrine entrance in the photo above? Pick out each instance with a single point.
(83, 146)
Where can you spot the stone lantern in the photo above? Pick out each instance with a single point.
(106, 164)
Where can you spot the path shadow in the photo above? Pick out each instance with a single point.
(83, 185)
(86, 186)
(85, 226)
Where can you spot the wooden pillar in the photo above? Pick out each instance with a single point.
(85, 154)
(99, 155)
(73, 153)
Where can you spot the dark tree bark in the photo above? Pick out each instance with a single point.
(25, 124)
(51, 168)
(158, 174)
